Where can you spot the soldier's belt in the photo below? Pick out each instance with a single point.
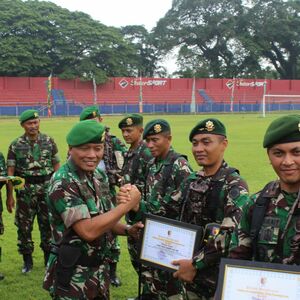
(37, 179)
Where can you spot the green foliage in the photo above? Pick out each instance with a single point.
(234, 38)
(40, 37)
(245, 152)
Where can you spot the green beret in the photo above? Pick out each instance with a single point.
(283, 130)
(28, 114)
(155, 127)
(88, 131)
(208, 126)
(89, 112)
(131, 120)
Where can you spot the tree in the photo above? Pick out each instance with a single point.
(231, 38)
(39, 37)
(270, 31)
(148, 55)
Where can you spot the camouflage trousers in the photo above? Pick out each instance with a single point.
(132, 245)
(87, 283)
(1, 219)
(31, 202)
(161, 285)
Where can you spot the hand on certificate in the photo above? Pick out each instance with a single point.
(135, 230)
(130, 195)
(186, 271)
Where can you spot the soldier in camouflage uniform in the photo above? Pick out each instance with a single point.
(167, 170)
(135, 166)
(2, 173)
(111, 164)
(212, 198)
(269, 230)
(82, 219)
(34, 157)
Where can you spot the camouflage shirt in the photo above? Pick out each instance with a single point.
(214, 202)
(162, 195)
(74, 196)
(272, 244)
(113, 158)
(203, 207)
(33, 158)
(135, 167)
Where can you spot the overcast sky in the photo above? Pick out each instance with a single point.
(120, 12)
(123, 12)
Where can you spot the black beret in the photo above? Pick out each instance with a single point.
(131, 120)
(155, 127)
(283, 130)
(208, 126)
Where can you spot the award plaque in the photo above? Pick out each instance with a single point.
(165, 240)
(248, 280)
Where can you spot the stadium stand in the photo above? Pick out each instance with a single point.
(121, 95)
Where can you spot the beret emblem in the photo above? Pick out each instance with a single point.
(299, 126)
(129, 121)
(209, 125)
(157, 128)
(94, 114)
(35, 115)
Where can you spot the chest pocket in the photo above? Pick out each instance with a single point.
(45, 150)
(23, 151)
(269, 231)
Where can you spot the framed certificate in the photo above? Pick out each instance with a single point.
(242, 279)
(165, 240)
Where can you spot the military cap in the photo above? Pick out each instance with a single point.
(283, 130)
(28, 114)
(155, 127)
(208, 126)
(87, 131)
(131, 120)
(89, 112)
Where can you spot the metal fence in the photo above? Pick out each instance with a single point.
(72, 109)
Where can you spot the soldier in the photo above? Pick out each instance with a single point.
(33, 156)
(82, 219)
(2, 173)
(167, 170)
(112, 164)
(212, 198)
(135, 166)
(269, 230)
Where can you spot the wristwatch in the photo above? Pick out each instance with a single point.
(126, 229)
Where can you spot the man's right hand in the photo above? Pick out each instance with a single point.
(135, 196)
(10, 203)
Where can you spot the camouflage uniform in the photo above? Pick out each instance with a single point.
(72, 197)
(215, 203)
(2, 173)
(32, 160)
(274, 243)
(112, 163)
(134, 171)
(162, 197)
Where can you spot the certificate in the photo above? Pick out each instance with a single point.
(165, 240)
(249, 280)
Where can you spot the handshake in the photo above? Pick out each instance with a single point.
(129, 196)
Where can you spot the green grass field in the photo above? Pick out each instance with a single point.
(245, 152)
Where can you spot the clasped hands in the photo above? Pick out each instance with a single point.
(129, 193)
